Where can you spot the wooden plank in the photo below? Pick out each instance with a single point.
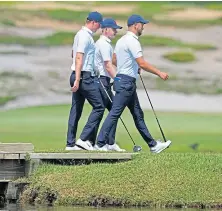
(16, 147)
(11, 156)
(94, 156)
(5, 180)
(77, 156)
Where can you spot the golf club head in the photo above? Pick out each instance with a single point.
(137, 148)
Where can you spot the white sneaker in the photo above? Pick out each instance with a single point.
(160, 146)
(73, 148)
(97, 148)
(115, 147)
(84, 144)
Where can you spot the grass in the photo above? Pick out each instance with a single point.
(67, 15)
(8, 22)
(46, 128)
(149, 10)
(146, 9)
(66, 38)
(5, 99)
(178, 177)
(14, 75)
(164, 180)
(189, 23)
(180, 56)
(14, 52)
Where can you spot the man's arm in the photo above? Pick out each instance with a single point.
(114, 61)
(109, 68)
(78, 68)
(149, 68)
(81, 47)
(78, 65)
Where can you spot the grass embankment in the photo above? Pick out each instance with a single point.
(5, 99)
(66, 38)
(46, 128)
(164, 180)
(151, 10)
(180, 56)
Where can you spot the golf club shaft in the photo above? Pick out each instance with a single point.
(153, 109)
(120, 117)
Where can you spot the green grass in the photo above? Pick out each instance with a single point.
(46, 128)
(147, 9)
(14, 52)
(180, 56)
(67, 15)
(14, 75)
(164, 180)
(189, 23)
(5, 99)
(66, 38)
(8, 22)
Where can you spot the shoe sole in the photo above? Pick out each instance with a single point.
(163, 148)
(74, 149)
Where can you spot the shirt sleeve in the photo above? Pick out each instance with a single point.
(106, 52)
(82, 44)
(135, 49)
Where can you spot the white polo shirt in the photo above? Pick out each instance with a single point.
(127, 50)
(103, 52)
(84, 43)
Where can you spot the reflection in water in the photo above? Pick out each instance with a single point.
(13, 207)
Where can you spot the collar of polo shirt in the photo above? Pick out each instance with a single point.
(105, 38)
(87, 29)
(132, 34)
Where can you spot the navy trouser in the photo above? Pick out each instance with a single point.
(125, 87)
(108, 104)
(89, 88)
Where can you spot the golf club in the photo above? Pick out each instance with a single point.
(153, 109)
(136, 148)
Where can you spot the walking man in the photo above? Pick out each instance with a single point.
(128, 57)
(106, 71)
(84, 86)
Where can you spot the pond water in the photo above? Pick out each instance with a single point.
(13, 207)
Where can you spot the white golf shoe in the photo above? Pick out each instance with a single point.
(103, 148)
(84, 144)
(115, 147)
(160, 146)
(75, 148)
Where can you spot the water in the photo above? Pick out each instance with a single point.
(13, 207)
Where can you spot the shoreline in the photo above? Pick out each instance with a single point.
(161, 100)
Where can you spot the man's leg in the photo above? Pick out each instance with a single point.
(120, 101)
(75, 114)
(112, 134)
(92, 94)
(138, 116)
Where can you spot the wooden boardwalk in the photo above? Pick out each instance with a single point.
(19, 159)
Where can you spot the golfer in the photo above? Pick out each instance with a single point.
(84, 86)
(106, 71)
(128, 57)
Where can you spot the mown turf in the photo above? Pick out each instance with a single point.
(46, 128)
(66, 38)
(164, 180)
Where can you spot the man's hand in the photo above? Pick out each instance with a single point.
(163, 76)
(75, 86)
